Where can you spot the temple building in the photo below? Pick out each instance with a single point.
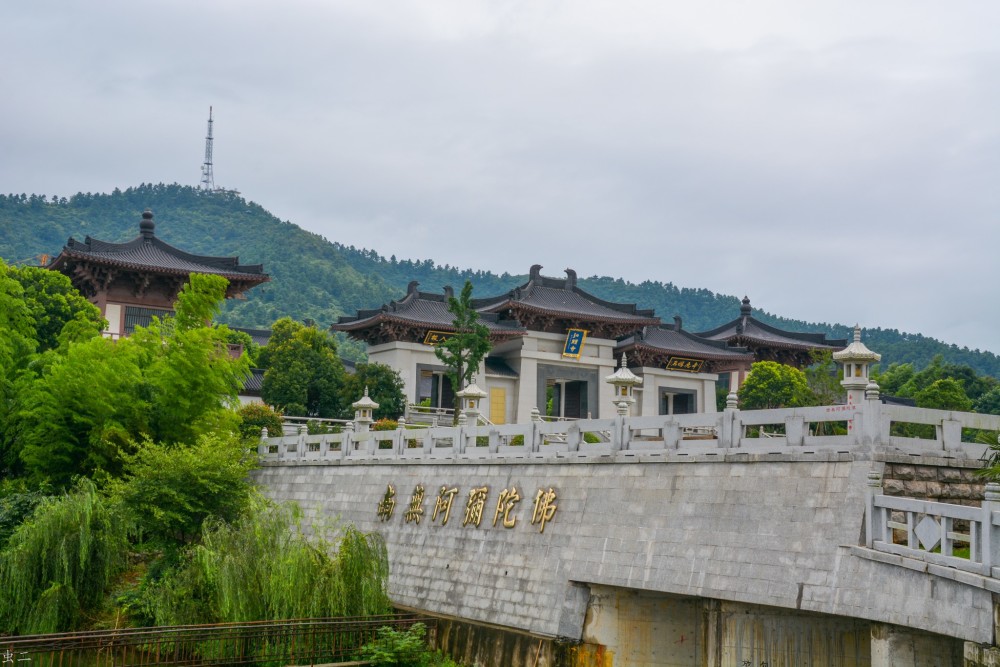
(769, 343)
(552, 346)
(134, 281)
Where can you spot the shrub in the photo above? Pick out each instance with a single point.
(404, 648)
(385, 425)
(255, 416)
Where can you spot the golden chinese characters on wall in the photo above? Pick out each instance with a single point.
(477, 501)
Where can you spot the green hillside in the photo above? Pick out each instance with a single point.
(312, 277)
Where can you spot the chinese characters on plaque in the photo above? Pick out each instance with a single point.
(685, 365)
(437, 337)
(477, 502)
(575, 339)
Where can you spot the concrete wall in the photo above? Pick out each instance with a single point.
(766, 529)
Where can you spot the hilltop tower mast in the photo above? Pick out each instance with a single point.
(207, 177)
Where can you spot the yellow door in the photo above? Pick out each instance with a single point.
(498, 405)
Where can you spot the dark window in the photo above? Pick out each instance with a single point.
(136, 316)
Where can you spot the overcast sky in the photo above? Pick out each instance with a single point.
(835, 161)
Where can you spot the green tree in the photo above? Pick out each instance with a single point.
(17, 348)
(773, 385)
(823, 378)
(192, 379)
(989, 403)
(264, 566)
(169, 382)
(944, 394)
(303, 373)
(462, 352)
(54, 303)
(57, 564)
(257, 416)
(384, 385)
(170, 490)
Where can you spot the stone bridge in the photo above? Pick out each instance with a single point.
(808, 536)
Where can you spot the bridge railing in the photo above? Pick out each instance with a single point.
(949, 429)
(837, 427)
(293, 642)
(957, 536)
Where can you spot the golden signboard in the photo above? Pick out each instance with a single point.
(684, 365)
(437, 337)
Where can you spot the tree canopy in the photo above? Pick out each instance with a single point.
(303, 373)
(462, 352)
(774, 385)
(79, 407)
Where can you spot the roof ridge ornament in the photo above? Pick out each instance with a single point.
(535, 272)
(570, 279)
(147, 228)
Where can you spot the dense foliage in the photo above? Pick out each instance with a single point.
(312, 278)
(303, 372)
(118, 454)
(79, 408)
(264, 567)
(403, 648)
(774, 385)
(59, 562)
(170, 490)
(462, 352)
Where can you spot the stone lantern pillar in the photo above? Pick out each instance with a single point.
(856, 360)
(624, 381)
(470, 398)
(363, 410)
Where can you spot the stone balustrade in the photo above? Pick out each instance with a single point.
(833, 427)
(932, 533)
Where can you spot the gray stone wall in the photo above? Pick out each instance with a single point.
(771, 529)
(947, 480)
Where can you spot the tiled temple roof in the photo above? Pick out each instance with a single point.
(560, 297)
(672, 339)
(148, 253)
(747, 330)
(424, 310)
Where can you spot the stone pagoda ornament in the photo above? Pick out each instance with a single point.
(624, 382)
(856, 360)
(363, 410)
(470, 398)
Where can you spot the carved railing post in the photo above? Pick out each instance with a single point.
(536, 437)
(873, 429)
(458, 440)
(874, 521)
(264, 448)
(400, 440)
(991, 504)
(347, 444)
(728, 436)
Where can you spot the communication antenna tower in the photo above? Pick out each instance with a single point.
(207, 177)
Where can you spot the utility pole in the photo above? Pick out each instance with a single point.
(207, 177)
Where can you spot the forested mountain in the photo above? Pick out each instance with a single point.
(312, 277)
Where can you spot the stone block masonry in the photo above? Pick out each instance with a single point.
(768, 529)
